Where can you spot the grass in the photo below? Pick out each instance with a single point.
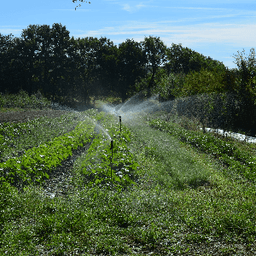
(240, 162)
(176, 167)
(183, 202)
(211, 205)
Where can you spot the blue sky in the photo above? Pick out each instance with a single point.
(216, 28)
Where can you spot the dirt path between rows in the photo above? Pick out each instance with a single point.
(60, 179)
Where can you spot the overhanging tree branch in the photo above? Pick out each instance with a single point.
(82, 1)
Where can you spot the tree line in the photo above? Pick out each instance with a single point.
(218, 96)
(63, 68)
(69, 70)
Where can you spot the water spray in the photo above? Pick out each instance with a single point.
(120, 121)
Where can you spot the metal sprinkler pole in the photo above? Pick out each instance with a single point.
(120, 121)
(111, 147)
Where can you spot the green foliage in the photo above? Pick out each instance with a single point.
(105, 166)
(131, 66)
(175, 169)
(18, 137)
(23, 100)
(226, 151)
(8, 198)
(204, 81)
(69, 70)
(246, 89)
(169, 86)
(177, 85)
(37, 162)
(184, 60)
(188, 73)
(155, 52)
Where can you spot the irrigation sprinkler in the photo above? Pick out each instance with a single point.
(120, 121)
(111, 148)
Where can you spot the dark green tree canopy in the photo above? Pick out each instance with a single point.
(131, 65)
(63, 68)
(183, 60)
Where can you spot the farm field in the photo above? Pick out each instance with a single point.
(160, 188)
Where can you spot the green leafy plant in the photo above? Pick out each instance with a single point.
(104, 166)
(37, 162)
(18, 137)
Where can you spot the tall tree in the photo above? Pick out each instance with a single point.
(131, 66)
(44, 63)
(106, 59)
(30, 48)
(7, 56)
(155, 52)
(60, 44)
(246, 92)
(184, 60)
(74, 73)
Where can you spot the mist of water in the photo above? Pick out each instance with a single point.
(134, 108)
(197, 107)
(98, 127)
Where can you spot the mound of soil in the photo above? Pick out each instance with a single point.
(24, 116)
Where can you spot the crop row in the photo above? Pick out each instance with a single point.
(236, 160)
(15, 138)
(37, 162)
(23, 100)
(107, 164)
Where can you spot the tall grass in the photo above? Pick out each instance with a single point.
(174, 166)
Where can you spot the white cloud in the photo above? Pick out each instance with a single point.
(203, 33)
(127, 7)
(7, 30)
(131, 7)
(218, 33)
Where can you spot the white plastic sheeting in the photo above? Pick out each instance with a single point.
(234, 135)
